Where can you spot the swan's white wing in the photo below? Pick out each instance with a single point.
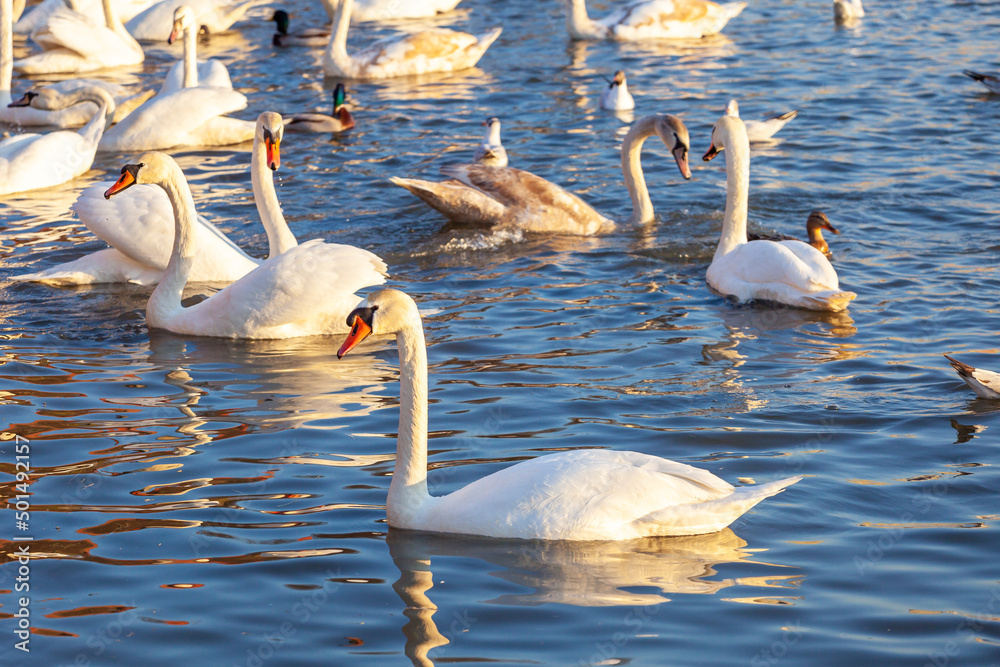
(75, 32)
(44, 160)
(167, 120)
(298, 286)
(9, 146)
(584, 494)
(140, 224)
(790, 262)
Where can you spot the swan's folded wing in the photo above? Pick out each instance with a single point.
(787, 262)
(430, 44)
(171, 117)
(140, 225)
(211, 74)
(75, 32)
(291, 287)
(513, 187)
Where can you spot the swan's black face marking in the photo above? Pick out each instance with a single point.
(712, 150)
(360, 321)
(130, 173)
(25, 100)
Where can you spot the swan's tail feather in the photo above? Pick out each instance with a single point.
(833, 301)
(711, 516)
(731, 10)
(104, 266)
(455, 200)
(488, 38)
(785, 117)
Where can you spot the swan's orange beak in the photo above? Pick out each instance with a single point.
(359, 331)
(175, 33)
(125, 181)
(710, 153)
(273, 147)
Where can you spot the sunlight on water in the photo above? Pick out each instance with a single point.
(223, 502)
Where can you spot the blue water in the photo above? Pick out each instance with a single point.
(207, 502)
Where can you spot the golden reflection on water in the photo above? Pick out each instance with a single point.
(585, 574)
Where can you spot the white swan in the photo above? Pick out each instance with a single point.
(74, 116)
(491, 152)
(590, 494)
(305, 291)
(846, 11)
(391, 10)
(73, 43)
(789, 272)
(140, 229)
(40, 13)
(759, 131)
(182, 117)
(212, 15)
(986, 384)
(340, 121)
(991, 82)
(305, 37)
(616, 96)
(433, 50)
(34, 161)
(652, 19)
(511, 197)
(189, 72)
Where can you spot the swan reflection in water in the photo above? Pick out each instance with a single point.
(272, 385)
(583, 574)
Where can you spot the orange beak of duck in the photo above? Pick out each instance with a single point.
(359, 331)
(125, 181)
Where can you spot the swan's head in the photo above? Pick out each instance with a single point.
(184, 19)
(270, 130)
(818, 220)
(25, 100)
(386, 311)
(281, 19)
(341, 111)
(674, 134)
(727, 130)
(732, 108)
(619, 79)
(151, 167)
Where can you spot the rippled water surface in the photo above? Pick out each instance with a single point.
(207, 502)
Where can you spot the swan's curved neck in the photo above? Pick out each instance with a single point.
(279, 237)
(166, 298)
(190, 58)
(101, 120)
(734, 225)
(6, 50)
(493, 136)
(110, 18)
(635, 181)
(408, 490)
(579, 25)
(336, 49)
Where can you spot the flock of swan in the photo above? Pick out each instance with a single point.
(149, 220)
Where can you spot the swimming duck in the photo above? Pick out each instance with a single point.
(815, 225)
(340, 121)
